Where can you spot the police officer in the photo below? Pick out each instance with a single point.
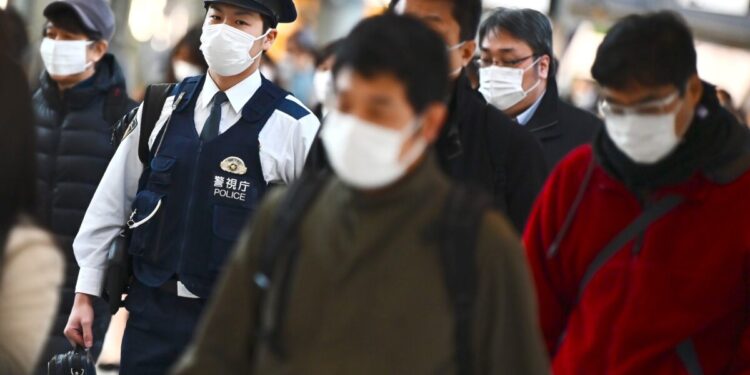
(221, 140)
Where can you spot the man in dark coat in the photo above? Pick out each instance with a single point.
(517, 74)
(479, 144)
(81, 95)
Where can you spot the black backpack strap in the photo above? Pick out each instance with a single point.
(636, 227)
(570, 217)
(459, 225)
(153, 103)
(283, 240)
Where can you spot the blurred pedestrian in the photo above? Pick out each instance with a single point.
(31, 266)
(82, 94)
(186, 59)
(638, 245)
(297, 68)
(192, 169)
(323, 81)
(374, 277)
(517, 75)
(13, 27)
(479, 144)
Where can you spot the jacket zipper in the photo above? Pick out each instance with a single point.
(191, 199)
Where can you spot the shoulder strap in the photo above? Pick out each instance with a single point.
(459, 227)
(637, 226)
(570, 217)
(282, 240)
(156, 96)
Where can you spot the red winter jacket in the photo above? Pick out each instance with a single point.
(686, 279)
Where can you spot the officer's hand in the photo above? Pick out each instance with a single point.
(78, 330)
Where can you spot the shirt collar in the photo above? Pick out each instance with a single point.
(238, 94)
(526, 116)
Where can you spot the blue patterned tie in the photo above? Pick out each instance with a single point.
(211, 128)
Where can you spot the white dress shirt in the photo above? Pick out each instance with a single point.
(526, 116)
(284, 144)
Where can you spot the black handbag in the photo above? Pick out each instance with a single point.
(74, 362)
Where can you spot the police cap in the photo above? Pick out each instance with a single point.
(280, 11)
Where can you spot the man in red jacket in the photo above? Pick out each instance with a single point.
(640, 245)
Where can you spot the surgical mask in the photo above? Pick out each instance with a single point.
(367, 156)
(227, 49)
(503, 87)
(323, 85)
(65, 57)
(645, 139)
(183, 69)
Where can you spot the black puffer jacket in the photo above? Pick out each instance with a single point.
(74, 147)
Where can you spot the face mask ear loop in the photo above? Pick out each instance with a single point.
(259, 38)
(538, 81)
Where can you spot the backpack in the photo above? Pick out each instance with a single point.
(459, 227)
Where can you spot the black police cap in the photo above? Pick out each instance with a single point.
(280, 11)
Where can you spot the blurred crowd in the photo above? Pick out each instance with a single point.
(419, 196)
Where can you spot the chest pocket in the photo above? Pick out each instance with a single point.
(147, 217)
(227, 224)
(161, 171)
(145, 221)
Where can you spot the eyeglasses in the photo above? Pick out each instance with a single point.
(488, 62)
(656, 107)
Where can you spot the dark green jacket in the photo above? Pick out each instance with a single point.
(368, 294)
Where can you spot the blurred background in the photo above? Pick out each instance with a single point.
(148, 41)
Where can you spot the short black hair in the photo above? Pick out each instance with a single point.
(326, 52)
(467, 14)
(651, 49)
(529, 25)
(404, 47)
(68, 20)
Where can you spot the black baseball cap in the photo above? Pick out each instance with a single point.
(280, 11)
(96, 15)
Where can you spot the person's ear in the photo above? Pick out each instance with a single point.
(694, 90)
(98, 49)
(270, 39)
(545, 62)
(467, 52)
(433, 118)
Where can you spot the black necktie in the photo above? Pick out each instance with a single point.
(211, 128)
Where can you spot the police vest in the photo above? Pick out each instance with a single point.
(195, 197)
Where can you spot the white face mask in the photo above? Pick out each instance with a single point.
(65, 57)
(367, 156)
(503, 87)
(183, 69)
(323, 84)
(227, 49)
(645, 139)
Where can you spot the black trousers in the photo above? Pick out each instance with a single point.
(160, 327)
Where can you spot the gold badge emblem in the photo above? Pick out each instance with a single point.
(234, 165)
